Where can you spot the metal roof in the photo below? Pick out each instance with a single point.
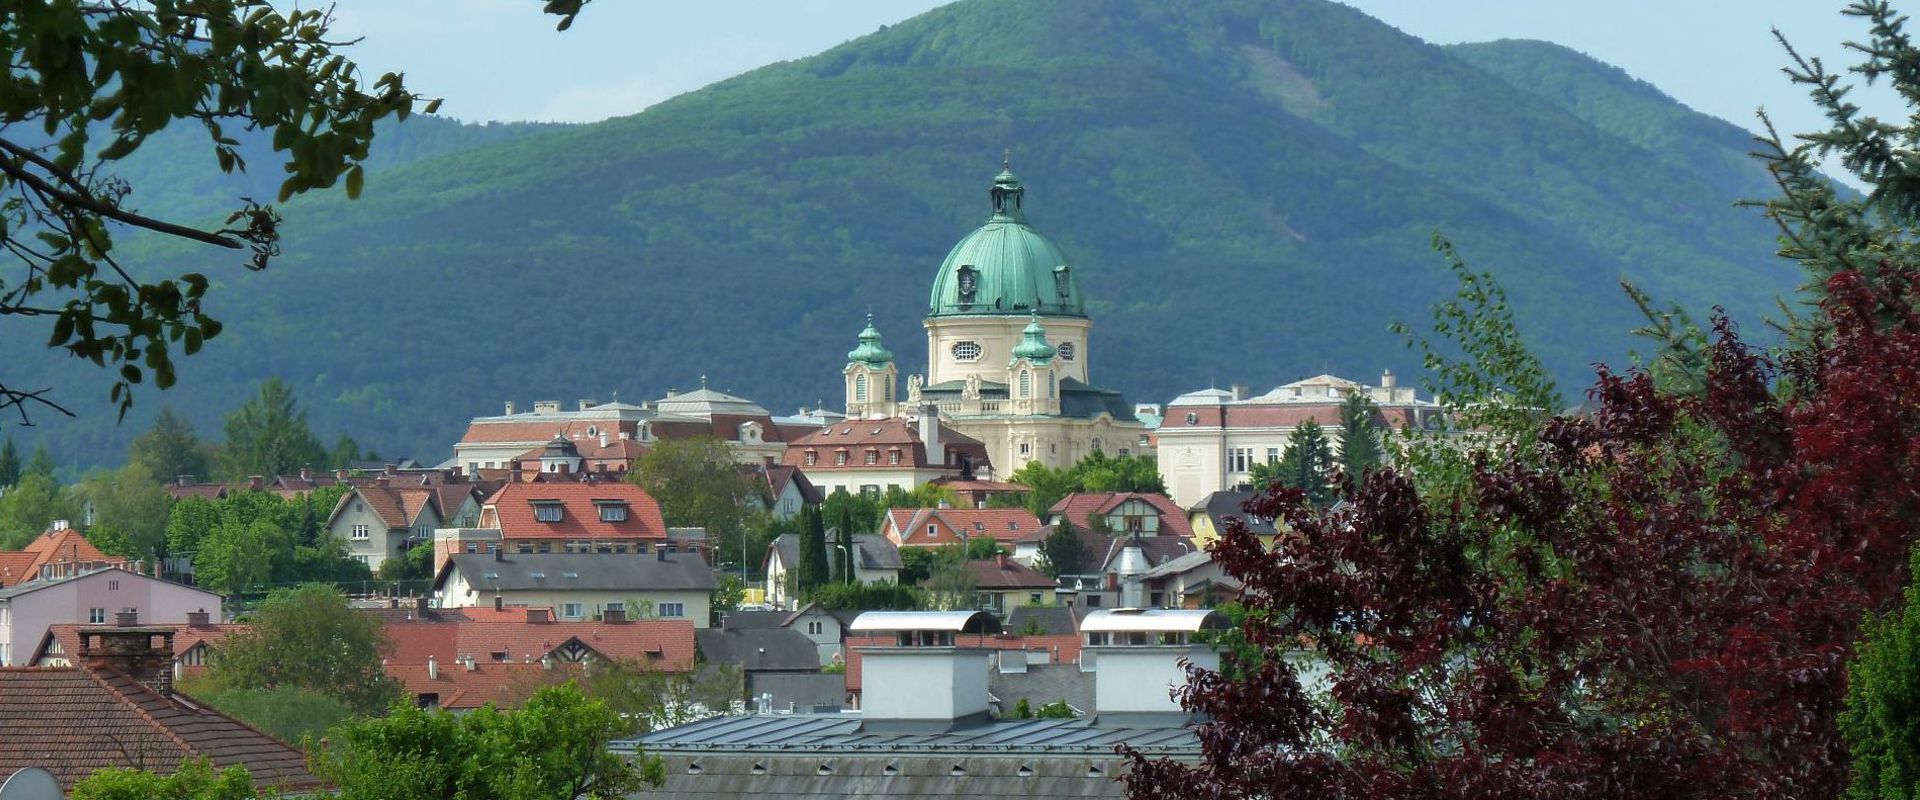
(1153, 620)
(955, 621)
(846, 733)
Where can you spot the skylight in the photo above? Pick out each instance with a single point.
(539, 576)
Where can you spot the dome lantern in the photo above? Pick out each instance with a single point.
(870, 351)
(1005, 267)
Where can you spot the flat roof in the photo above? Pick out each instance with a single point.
(954, 621)
(1153, 620)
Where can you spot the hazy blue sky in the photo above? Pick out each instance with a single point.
(501, 59)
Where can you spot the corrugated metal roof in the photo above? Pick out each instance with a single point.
(826, 733)
(956, 621)
(1152, 620)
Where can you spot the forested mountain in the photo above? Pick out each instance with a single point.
(1247, 190)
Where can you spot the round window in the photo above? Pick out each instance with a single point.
(1065, 350)
(966, 351)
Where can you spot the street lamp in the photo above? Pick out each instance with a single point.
(846, 559)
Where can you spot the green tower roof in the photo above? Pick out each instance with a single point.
(1033, 346)
(870, 351)
(1006, 267)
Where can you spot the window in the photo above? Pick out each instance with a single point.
(1026, 448)
(572, 611)
(1239, 459)
(96, 616)
(670, 609)
(839, 458)
(113, 585)
(1093, 601)
(873, 457)
(933, 530)
(473, 547)
(523, 547)
(1096, 445)
(870, 490)
(1034, 598)
(860, 388)
(1026, 383)
(613, 512)
(1273, 455)
(616, 605)
(361, 533)
(813, 628)
(1064, 351)
(812, 458)
(547, 512)
(893, 456)
(966, 351)
(1193, 418)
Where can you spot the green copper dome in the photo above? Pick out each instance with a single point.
(1033, 345)
(1006, 267)
(870, 351)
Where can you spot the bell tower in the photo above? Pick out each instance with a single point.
(871, 376)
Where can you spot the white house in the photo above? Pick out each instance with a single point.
(875, 560)
(580, 586)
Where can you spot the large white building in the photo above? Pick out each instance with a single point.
(609, 431)
(1210, 439)
(1007, 352)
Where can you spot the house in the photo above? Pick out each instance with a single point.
(1002, 584)
(934, 527)
(778, 665)
(825, 628)
(29, 609)
(1208, 517)
(383, 521)
(1190, 581)
(192, 643)
(872, 455)
(467, 685)
(58, 552)
(461, 659)
(1122, 513)
(784, 490)
(1210, 440)
(602, 517)
(976, 493)
(581, 586)
(115, 707)
(875, 560)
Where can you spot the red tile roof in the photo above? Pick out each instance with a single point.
(543, 431)
(665, 644)
(64, 546)
(74, 721)
(907, 527)
(1004, 574)
(512, 511)
(1078, 507)
(883, 436)
(185, 638)
(398, 506)
(456, 688)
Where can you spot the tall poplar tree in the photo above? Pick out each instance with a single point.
(9, 464)
(1360, 447)
(813, 550)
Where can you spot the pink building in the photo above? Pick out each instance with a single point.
(28, 610)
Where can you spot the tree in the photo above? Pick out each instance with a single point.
(1361, 450)
(238, 557)
(30, 507)
(1881, 722)
(288, 713)
(951, 587)
(883, 596)
(698, 484)
(1064, 551)
(1048, 486)
(170, 449)
(1308, 465)
(553, 748)
(1099, 472)
(268, 435)
(727, 596)
(121, 72)
(308, 638)
(647, 699)
(813, 569)
(41, 463)
(129, 512)
(9, 464)
(194, 780)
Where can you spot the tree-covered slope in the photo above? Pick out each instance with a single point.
(1247, 190)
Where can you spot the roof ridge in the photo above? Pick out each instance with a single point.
(138, 708)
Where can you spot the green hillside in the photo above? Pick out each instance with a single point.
(1246, 188)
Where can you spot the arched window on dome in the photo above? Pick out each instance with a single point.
(1026, 383)
(860, 388)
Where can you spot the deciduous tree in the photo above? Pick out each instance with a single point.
(129, 512)
(309, 638)
(698, 484)
(1063, 550)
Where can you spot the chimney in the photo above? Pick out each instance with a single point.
(603, 438)
(930, 434)
(539, 616)
(306, 474)
(256, 482)
(673, 392)
(546, 406)
(509, 408)
(1133, 562)
(183, 480)
(144, 654)
(927, 679)
(625, 435)
(500, 553)
(340, 474)
(433, 668)
(197, 619)
(381, 481)
(57, 525)
(499, 603)
(1239, 391)
(391, 469)
(614, 616)
(420, 607)
(1386, 379)
(1137, 657)
(467, 661)
(586, 404)
(660, 553)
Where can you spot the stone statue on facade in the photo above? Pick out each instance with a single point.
(972, 390)
(913, 388)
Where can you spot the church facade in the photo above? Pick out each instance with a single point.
(1007, 351)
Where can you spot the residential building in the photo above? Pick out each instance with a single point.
(783, 490)
(1193, 580)
(383, 521)
(193, 643)
(1122, 513)
(1008, 348)
(60, 551)
(872, 455)
(581, 586)
(1209, 440)
(29, 609)
(116, 707)
(1209, 517)
(934, 527)
(778, 665)
(925, 727)
(1002, 584)
(875, 560)
(596, 517)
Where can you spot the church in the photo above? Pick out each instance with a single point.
(1007, 350)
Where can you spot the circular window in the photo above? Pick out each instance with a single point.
(1065, 350)
(966, 351)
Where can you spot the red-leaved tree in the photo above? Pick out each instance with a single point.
(1654, 599)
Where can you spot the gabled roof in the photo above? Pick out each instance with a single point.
(759, 649)
(780, 475)
(456, 688)
(1005, 525)
(185, 638)
(1049, 620)
(397, 506)
(114, 572)
(873, 551)
(884, 436)
(512, 511)
(74, 721)
(1082, 505)
(562, 572)
(660, 643)
(1005, 574)
(1220, 505)
(61, 546)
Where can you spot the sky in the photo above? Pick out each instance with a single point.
(502, 59)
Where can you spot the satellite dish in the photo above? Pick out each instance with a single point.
(31, 783)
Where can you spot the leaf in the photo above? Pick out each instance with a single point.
(356, 178)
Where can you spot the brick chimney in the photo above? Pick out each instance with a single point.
(198, 619)
(144, 654)
(537, 616)
(340, 474)
(391, 469)
(256, 482)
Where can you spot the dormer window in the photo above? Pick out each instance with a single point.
(969, 283)
(548, 511)
(839, 458)
(873, 457)
(813, 457)
(612, 512)
(893, 457)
